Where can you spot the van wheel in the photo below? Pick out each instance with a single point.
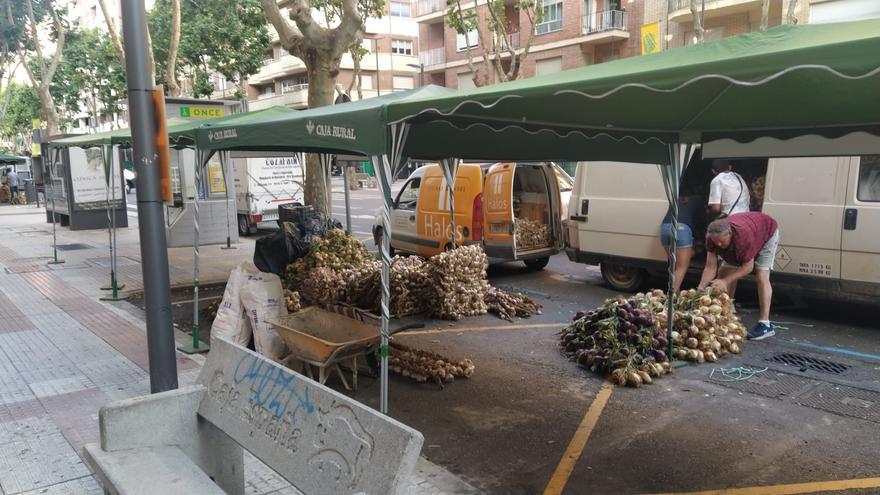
(624, 278)
(537, 263)
(244, 225)
(377, 238)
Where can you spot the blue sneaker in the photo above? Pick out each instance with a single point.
(761, 331)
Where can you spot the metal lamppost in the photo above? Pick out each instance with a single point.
(421, 68)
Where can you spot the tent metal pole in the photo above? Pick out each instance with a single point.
(111, 223)
(202, 159)
(381, 168)
(347, 199)
(224, 163)
(57, 153)
(673, 204)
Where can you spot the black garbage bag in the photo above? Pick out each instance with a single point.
(292, 241)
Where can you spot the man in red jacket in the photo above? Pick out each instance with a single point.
(747, 243)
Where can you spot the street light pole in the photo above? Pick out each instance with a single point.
(154, 254)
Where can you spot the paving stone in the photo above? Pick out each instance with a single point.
(108, 372)
(86, 485)
(31, 350)
(34, 454)
(13, 389)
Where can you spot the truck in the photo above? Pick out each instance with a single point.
(827, 207)
(263, 182)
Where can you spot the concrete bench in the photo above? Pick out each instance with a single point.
(191, 440)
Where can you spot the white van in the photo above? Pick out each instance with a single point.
(828, 210)
(262, 184)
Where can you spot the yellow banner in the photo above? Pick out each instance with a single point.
(650, 38)
(215, 174)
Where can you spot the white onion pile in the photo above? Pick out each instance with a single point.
(531, 234)
(336, 249)
(705, 326)
(292, 301)
(422, 366)
(459, 281)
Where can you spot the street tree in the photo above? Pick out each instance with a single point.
(321, 49)
(505, 42)
(765, 14)
(92, 78)
(791, 13)
(23, 108)
(28, 19)
(697, 14)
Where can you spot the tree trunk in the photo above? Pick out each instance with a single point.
(697, 14)
(322, 86)
(173, 88)
(791, 14)
(114, 34)
(47, 110)
(765, 15)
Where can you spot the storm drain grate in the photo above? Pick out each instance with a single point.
(804, 362)
(770, 384)
(73, 247)
(846, 401)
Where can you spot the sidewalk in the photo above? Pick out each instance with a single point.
(63, 353)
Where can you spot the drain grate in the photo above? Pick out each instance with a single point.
(73, 247)
(771, 384)
(846, 401)
(804, 362)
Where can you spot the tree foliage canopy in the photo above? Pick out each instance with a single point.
(216, 36)
(24, 106)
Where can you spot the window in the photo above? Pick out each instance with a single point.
(400, 9)
(869, 179)
(843, 10)
(402, 47)
(295, 84)
(548, 66)
(466, 81)
(551, 19)
(409, 195)
(403, 82)
(461, 41)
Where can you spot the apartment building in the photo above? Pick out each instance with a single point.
(572, 33)
(390, 64)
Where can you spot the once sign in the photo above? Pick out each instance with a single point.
(319, 440)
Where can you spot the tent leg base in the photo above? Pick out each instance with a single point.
(191, 349)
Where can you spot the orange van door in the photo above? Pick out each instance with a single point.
(498, 224)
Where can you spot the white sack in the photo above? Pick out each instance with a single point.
(232, 322)
(263, 300)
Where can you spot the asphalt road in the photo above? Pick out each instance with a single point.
(507, 429)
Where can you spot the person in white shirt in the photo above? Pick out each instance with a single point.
(728, 191)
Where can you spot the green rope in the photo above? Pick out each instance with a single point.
(734, 374)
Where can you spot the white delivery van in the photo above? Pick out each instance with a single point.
(262, 183)
(828, 210)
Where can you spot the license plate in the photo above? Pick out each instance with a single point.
(499, 228)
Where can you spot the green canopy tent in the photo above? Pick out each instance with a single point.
(353, 128)
(11, 160)
(783, 83)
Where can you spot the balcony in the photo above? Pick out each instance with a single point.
(512, 41)
(296, 96)
(433, 58)
(608, 20)
(277, 69)
(429, 10)
(680, 10)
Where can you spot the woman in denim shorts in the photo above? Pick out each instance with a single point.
(689, 208)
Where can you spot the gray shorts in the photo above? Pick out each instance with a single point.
(767, 254)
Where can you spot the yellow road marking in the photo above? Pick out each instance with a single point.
(792, 489)
(523, 326)
(578, 441)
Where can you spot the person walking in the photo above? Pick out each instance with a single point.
(12, 182)
(689, 209)
(746, 242)
(728, 191)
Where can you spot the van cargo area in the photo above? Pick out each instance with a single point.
(531, 210)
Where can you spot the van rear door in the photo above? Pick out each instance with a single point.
(861, 222)
(498, 237)
(805, 197)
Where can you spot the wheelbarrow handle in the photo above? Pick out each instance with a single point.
(409, 326)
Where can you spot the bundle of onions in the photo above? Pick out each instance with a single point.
(507, 305)
(422, 366)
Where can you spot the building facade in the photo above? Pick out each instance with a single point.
(571, 33)
(390, 64)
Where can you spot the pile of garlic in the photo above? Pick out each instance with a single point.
(706, 327)
(531, 234)
(459, 281)
(422, 366)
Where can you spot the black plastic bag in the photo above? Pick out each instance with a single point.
(292, 241)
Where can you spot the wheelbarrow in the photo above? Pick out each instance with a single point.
(325, 339)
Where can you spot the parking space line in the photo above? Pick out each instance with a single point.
(792, 489)
(490, 328)
(578, 441)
